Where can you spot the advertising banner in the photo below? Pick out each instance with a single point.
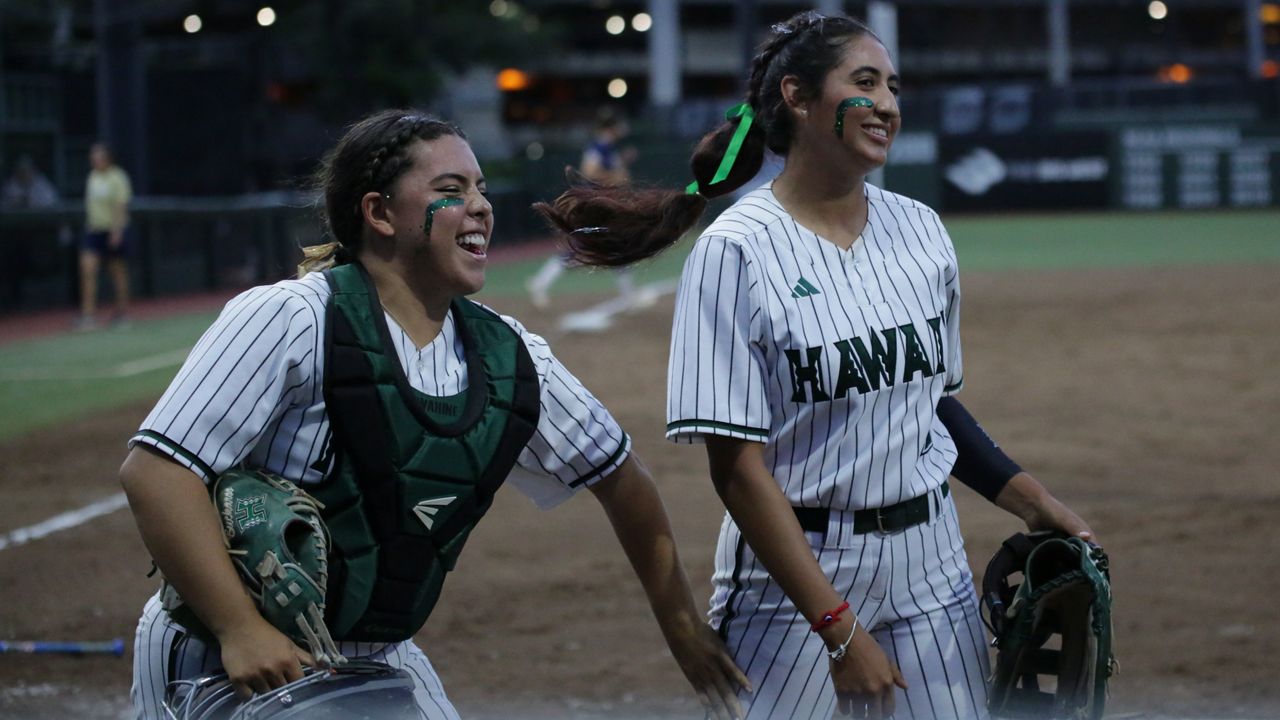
(1034, 171)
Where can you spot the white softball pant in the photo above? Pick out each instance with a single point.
(912, 589)
(163, 652)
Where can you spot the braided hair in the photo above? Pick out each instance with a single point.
(808, 46)
(619, 225)
(370, 157)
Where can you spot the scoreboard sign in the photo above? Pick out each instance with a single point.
(1207, 166)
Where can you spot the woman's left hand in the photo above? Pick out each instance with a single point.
(710, 669)
(1040, 510)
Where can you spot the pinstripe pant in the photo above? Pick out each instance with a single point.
(913, 589)
(163, 652)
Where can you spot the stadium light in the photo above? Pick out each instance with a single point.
(1157, 10)
(641, 22)
(266, 17)
(615, 24)
(192, 24)
(498, 8)
(1176, 73)
(512, 80)
(617, 88)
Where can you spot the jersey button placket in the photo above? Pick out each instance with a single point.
(852, 279)
(424, 364)
(860, 266)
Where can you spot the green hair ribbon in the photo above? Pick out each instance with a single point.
(741, 110)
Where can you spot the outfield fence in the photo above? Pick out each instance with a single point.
(184, 245)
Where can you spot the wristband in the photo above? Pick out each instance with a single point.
(830, 617)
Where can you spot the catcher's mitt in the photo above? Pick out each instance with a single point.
(1065, 592)
(356, 690)
(279, 546)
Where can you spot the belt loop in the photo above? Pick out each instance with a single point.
(840, 530)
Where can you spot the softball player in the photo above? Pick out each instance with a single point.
(603, 162)
(254, 393)
(815, 347)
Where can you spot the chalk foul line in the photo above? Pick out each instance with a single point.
(600, 317)
(126, 369)
(65, 521)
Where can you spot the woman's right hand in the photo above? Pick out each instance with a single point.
(864, 678)
(258, 658)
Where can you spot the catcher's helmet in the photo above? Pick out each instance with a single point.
(1056, 622)
(354, 690)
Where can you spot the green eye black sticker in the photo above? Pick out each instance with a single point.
(844, 107)
(437, 205)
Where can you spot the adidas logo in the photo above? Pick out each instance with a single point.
(804, 289)
(426, 509)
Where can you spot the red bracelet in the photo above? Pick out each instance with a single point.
(830, 617)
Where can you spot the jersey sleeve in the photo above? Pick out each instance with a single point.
(716, 374)
(955, 359)
(577, 441)
(250, 365)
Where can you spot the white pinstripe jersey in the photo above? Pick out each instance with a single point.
(835, 359)
(252, 390)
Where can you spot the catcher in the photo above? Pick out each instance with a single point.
(401, 407)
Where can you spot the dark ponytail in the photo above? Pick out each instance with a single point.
(615, 225)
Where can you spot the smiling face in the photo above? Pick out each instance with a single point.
(441, 218)
(864, 130)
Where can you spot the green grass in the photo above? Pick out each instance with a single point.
(31, 404)
(1115, 240)
(1079, 241)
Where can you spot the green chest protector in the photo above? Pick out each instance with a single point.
(412, 473)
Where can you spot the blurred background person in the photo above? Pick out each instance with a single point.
(106, 202)
(604, 162)
(27, 187)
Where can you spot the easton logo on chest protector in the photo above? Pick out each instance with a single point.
(426, 509)
(412, 473)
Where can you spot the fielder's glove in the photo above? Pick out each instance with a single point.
(279, 546)
(1065, 591)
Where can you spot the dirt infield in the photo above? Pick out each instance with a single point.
(1147, 399)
